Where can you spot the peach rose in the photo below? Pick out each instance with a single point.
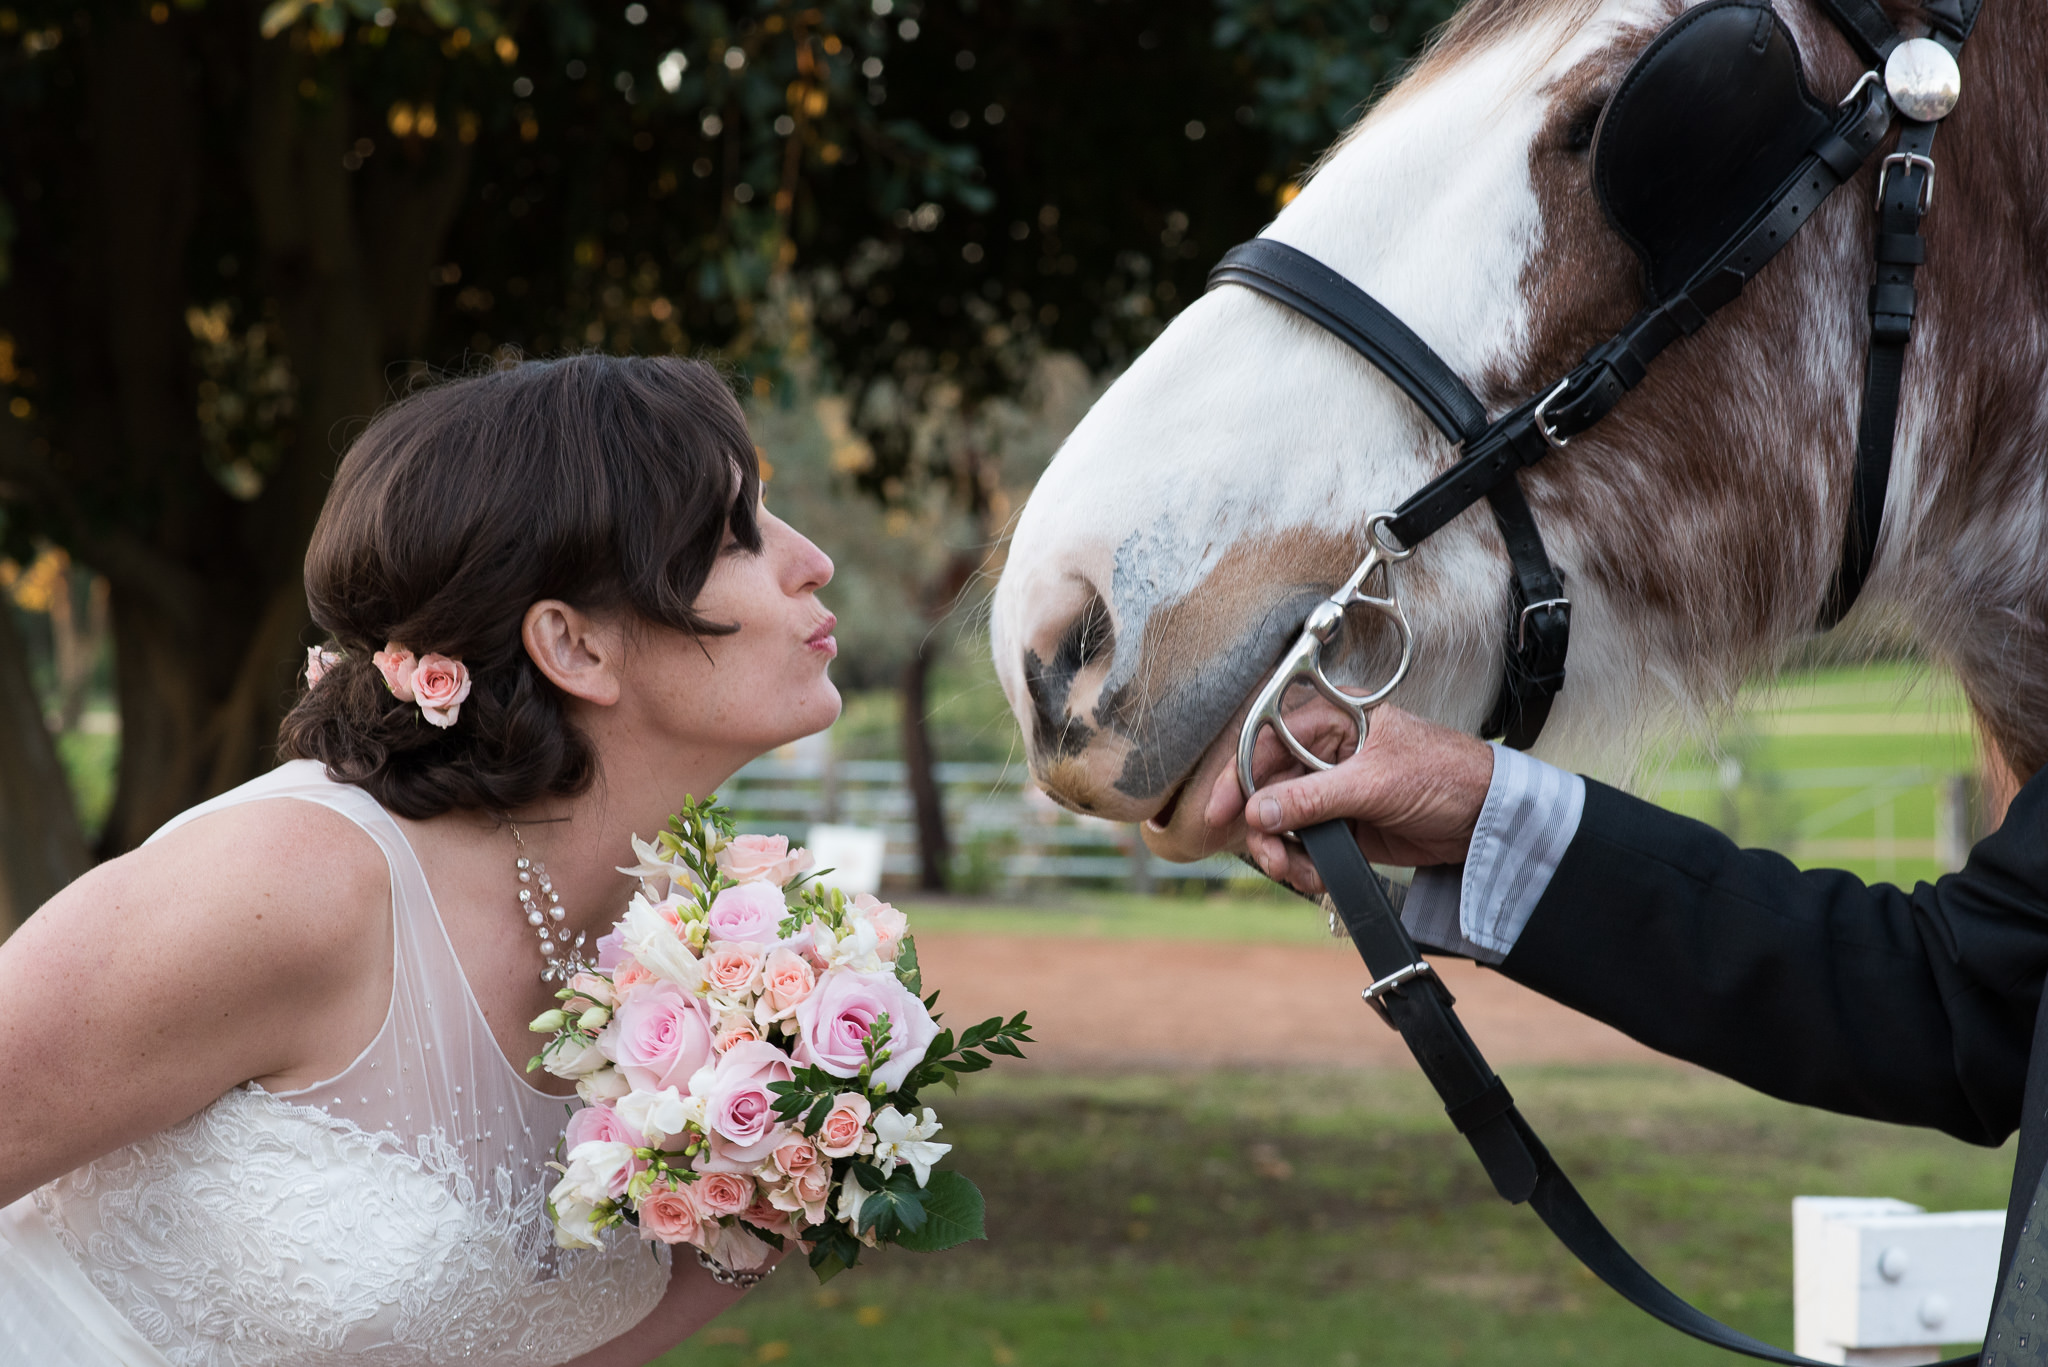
(724, 1193)
(765, 1215)
(440, 684)
(671, 1214)
(732, 969)
(845, 1125)
(762, 859)
(397, 665)
(786, 979)
(734, 1028)
(888, 922)
(630, 973)
(796, 1157)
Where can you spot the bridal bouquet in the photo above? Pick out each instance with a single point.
(751, 1049)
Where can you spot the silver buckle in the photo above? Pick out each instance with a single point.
(1393, 982)
(1907, 159)
(1550, 437)
(1522, 623)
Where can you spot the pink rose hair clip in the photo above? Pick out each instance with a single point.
(437, 683)
(319, 659)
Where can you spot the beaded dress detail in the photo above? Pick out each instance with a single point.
(391, 1216)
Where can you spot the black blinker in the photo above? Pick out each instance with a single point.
(1706, 126)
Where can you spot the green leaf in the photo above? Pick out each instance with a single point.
(897, 1209)
(817, 1116)
(833, 1250)
(953, 1214)
(907, 971)
(969, 1063)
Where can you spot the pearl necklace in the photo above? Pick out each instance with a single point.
(545, 914)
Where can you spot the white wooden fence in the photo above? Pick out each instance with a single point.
(1006, 834)
(1880, 1281)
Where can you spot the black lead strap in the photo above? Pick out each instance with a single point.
(1410, 997)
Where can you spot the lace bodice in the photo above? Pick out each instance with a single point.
(392, 1215)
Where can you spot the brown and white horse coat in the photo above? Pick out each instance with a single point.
(1223, 483)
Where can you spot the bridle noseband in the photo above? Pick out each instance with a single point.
(1756, 156)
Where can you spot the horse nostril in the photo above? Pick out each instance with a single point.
(1088, 637)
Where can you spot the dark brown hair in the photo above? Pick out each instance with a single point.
(607, 482)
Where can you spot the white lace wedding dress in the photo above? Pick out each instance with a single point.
(391, 1215)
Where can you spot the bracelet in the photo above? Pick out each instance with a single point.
(725, 1276)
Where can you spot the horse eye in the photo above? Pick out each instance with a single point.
(1578, 135)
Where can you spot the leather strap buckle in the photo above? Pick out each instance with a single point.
(1394, 982)
(1908, 160)
(1541, 414)
(1563, 605)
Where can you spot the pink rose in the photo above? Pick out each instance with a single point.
(440, 684)
(630, 973)
(888, 922)
(731, 969)
(751, 911)
(805, 1195)
(724, 1193)
(397, 665)
(739, 1108)
(603, 1123)
(592, 989)
(658, 1037)
(762, 859)
(671, 1214)
(611, 949)
(318, 662)
(833, 1024)
(795, 1156)
(763, 1214)
(845, 1124)
(786, 979)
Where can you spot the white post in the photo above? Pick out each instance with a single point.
(1881, 1281)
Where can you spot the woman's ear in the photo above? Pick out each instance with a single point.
(579, 654)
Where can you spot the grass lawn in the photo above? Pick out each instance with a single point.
(1334, 1218)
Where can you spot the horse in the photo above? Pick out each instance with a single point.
(1226, 480)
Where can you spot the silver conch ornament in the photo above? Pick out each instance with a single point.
(1922, 79)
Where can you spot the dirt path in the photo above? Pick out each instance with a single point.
(1114, 1003)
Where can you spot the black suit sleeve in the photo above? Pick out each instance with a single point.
(1917, 1008)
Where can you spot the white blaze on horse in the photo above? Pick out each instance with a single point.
(1223, 484)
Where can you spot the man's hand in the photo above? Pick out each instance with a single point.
(1412, 793)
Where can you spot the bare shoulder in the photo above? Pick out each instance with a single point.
(274, 883)
(252, 943)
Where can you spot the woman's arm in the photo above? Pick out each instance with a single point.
(692, 1301)
(234, 948)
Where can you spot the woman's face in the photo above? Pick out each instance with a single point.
(730, 698)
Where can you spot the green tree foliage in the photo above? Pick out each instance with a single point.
(232, 229)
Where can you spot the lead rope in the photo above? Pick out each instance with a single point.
(1413, 1000)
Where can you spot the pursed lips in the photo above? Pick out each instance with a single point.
(821, 639)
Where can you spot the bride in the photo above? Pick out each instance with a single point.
(265, 1077)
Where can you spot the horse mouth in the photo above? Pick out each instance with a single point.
(1179, 830)
(1159, 821)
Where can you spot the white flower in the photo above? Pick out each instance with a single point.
(851, 1195)
(594, 1166)
(659, 1115)
(858, 948)
(653, 867)
(575, 1223)
(653, 940)
(607, 1084)
(573, 1060)
(900, 1139)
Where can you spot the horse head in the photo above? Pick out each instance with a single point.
(1225, 482)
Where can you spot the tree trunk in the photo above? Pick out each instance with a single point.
(41, 847)
(934, 845)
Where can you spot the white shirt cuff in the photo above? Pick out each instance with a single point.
(1531, 813)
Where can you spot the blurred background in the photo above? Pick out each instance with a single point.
(921, 237)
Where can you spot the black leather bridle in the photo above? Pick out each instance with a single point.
(1770, 159)
(1709, 158)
